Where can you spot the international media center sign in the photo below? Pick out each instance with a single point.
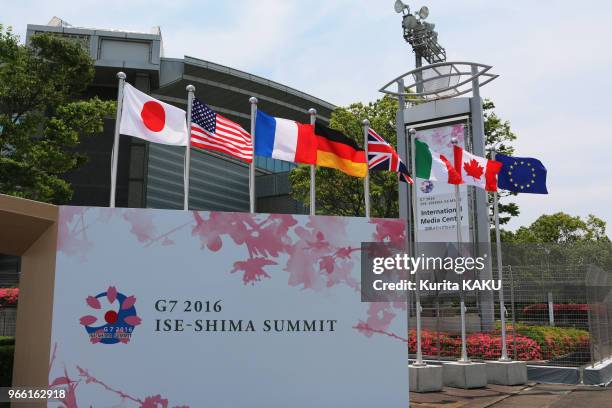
(436, 205)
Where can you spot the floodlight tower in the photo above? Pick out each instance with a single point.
(420, 35)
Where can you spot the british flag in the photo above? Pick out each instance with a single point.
(382, 156)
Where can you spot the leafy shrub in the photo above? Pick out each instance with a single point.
(531, 343)
(7, 341)
(556, 341)
(8, 296)
(557, 307)
(488, 346)
(479, 345)
(449, 345)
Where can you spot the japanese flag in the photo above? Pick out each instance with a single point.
(475, 170)
(149, 119)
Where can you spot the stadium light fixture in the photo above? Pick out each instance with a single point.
(420, 34)
(424, 12)
(400, 7)
(410, 22)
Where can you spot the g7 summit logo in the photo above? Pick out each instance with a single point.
(113, 317)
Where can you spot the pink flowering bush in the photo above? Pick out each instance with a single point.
(488, 346)
(449, 345)
(479, 345)
(8, 296)
(557, 307)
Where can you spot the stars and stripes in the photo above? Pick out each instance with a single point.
(382, 156)
(211, 131)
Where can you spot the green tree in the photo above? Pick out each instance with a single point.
(339, 194)
(560, 239)
(499, 135)
(42, 115)
(562, 228)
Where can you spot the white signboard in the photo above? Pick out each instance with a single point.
(160, 308)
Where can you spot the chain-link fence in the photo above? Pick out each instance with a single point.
(8, 321)
(558, 313)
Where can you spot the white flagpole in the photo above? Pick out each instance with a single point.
(190, 91)
(313, 170)
(115, 153)
(464, 357)
(253, 101)
(419, 309)
(366, 180)
(502, 308)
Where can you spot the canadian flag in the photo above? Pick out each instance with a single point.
(475, 170)
(149, 119)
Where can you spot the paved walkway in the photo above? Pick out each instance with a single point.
(524, 396)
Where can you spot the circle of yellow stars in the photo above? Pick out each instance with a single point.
(529, 182)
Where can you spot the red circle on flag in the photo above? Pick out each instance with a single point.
(153, 116)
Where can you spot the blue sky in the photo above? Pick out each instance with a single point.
(553, 59)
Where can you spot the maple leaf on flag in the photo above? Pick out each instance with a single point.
(473, 169)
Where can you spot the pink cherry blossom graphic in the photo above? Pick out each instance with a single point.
(128, 302)
(93, 302)
(85, 378)
(72, 237)
(389, 230)
(88, 320)
(253, 269)
(111, 294)
(133, 320)
(380, 316)
(142, 224)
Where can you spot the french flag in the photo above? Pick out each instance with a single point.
(284, 139)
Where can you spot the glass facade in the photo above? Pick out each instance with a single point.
(273, 165)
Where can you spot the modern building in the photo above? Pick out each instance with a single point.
(151, 175)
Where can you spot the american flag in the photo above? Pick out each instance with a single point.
(209, 130)
(382, 156)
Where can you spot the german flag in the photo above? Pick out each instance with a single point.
(339, 152)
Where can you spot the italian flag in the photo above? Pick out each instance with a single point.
(475, 170)
(434, 166)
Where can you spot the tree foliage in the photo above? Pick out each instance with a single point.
(498, 134)
(42, 115)
(561, 228)
(339, 194)
(560, 239)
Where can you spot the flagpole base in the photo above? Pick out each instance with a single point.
(507, 372)
(465, 374)
(425, 378)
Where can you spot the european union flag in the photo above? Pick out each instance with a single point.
(521, 174)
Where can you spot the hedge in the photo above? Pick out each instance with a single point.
(9, 296)
(479, 345)
(556, 341)
(531, 343)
